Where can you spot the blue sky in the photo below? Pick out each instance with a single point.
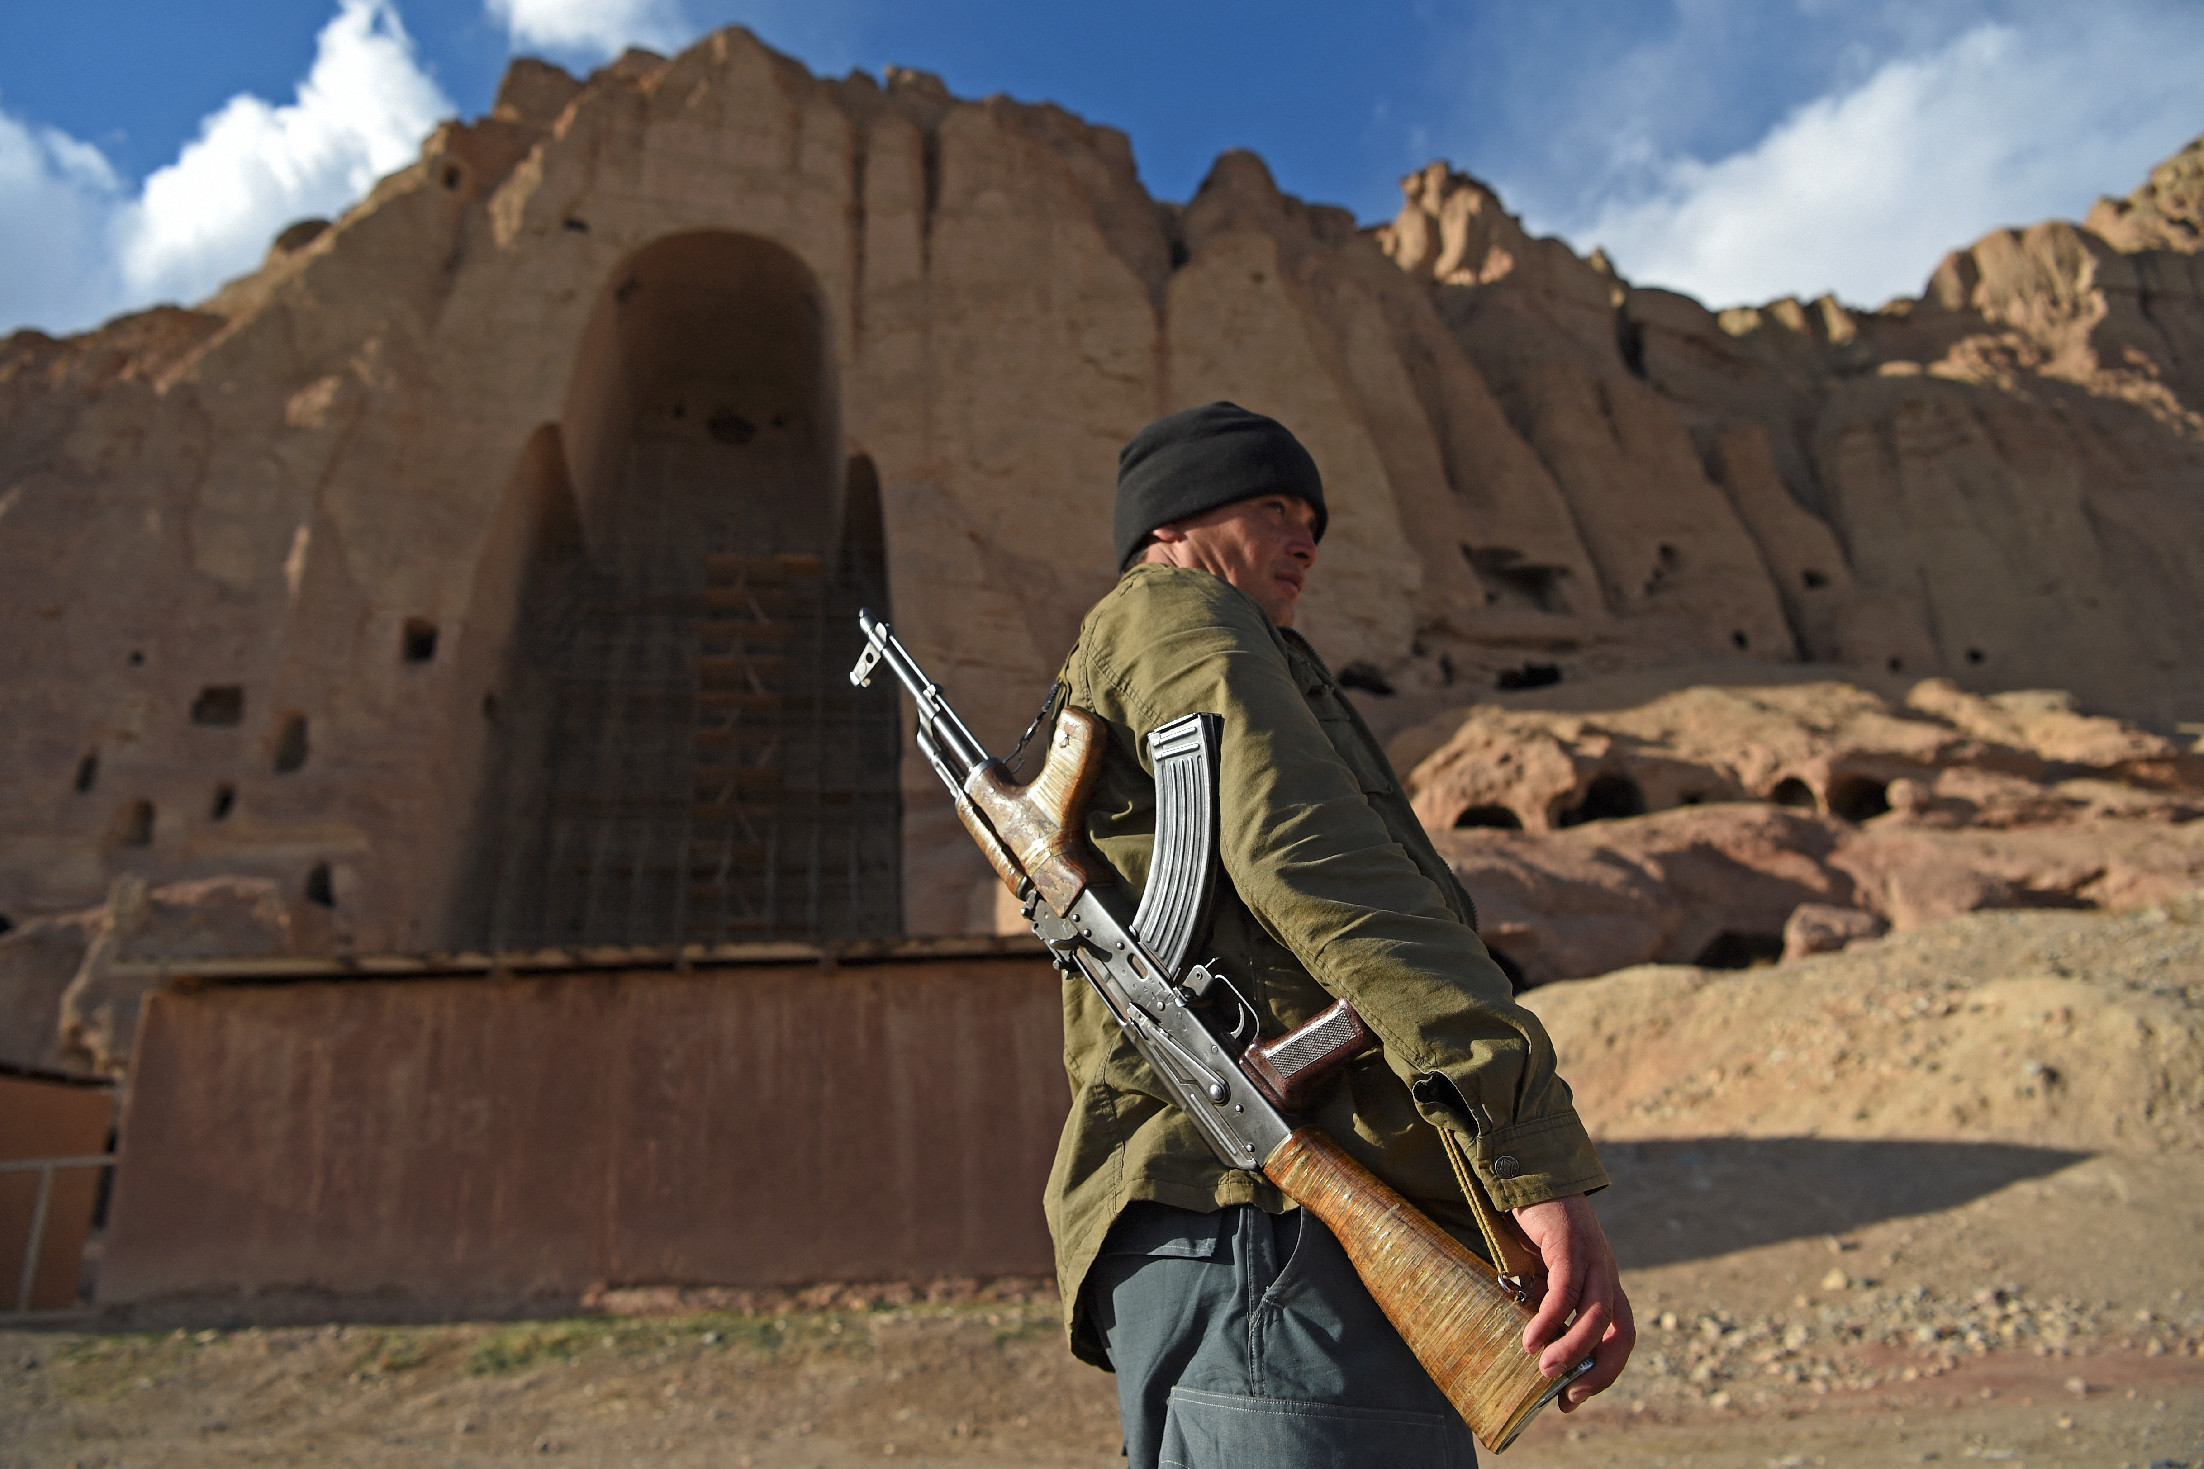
(1736, 149)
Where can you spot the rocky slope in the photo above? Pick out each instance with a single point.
(2074, 1031)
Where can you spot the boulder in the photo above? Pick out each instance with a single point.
(1820, 928)
(1712, 884)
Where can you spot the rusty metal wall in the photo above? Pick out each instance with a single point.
(48, 1118)
(496, 1143)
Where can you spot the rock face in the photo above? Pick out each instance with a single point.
(1944, 757)
(477, 570)
(1725, 826)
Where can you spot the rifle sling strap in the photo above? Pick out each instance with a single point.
(1512, 1255)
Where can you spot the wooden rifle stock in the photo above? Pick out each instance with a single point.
(1445, 1302)
(991, 847)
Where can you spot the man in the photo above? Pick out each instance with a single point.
(1239, 1334)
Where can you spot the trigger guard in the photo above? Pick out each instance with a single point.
(1246, 1026)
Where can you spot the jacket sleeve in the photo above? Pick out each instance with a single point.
(1316, 863)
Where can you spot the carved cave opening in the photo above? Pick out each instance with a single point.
(1611, 796)
(1366, 676)
(1795, 793)
(1740, 949)
(291, 747)
(417, 641)
(219, 705)
(677, 753)
(1529, 676)
(1857, 798)
(1509, 579)
(134, 824)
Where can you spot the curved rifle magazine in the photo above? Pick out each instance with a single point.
(1182, 873)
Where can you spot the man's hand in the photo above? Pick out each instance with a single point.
(1583, 1281)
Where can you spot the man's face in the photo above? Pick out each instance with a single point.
(1264, 545)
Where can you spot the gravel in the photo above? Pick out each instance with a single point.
(1830, 1345)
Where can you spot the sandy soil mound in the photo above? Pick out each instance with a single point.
(2059, 1029)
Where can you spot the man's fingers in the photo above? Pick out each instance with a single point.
(1587, 1293)
(1611, 1357)
(1583, 1280)
(1552, 1315)
(1607, 1365)
(1583, 1335)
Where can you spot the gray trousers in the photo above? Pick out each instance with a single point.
(1241, 1340)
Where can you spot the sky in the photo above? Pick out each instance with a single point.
(1737, 150)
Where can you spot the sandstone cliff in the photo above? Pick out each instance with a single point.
(568, 447)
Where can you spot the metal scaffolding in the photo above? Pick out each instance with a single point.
(708, 774)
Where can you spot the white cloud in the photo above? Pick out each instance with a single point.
(77, 247)
(596, 27)
(361, 113)
(1861, 192)
(56, 198)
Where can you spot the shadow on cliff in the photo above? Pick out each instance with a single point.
(1695, 1198)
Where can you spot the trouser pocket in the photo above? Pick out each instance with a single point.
(1205, 1430)
(1315, 1335)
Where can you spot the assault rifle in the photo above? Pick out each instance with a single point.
(1200, 1035)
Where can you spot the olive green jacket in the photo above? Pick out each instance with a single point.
(1330, 888)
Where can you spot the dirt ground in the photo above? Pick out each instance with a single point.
(2021, 1282)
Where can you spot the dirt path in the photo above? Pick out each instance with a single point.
(2026, 1288)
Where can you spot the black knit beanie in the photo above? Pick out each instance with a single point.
(1202, 458)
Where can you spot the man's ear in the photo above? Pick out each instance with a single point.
(1169, 535)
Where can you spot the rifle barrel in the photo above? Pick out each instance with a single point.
(955, 751)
